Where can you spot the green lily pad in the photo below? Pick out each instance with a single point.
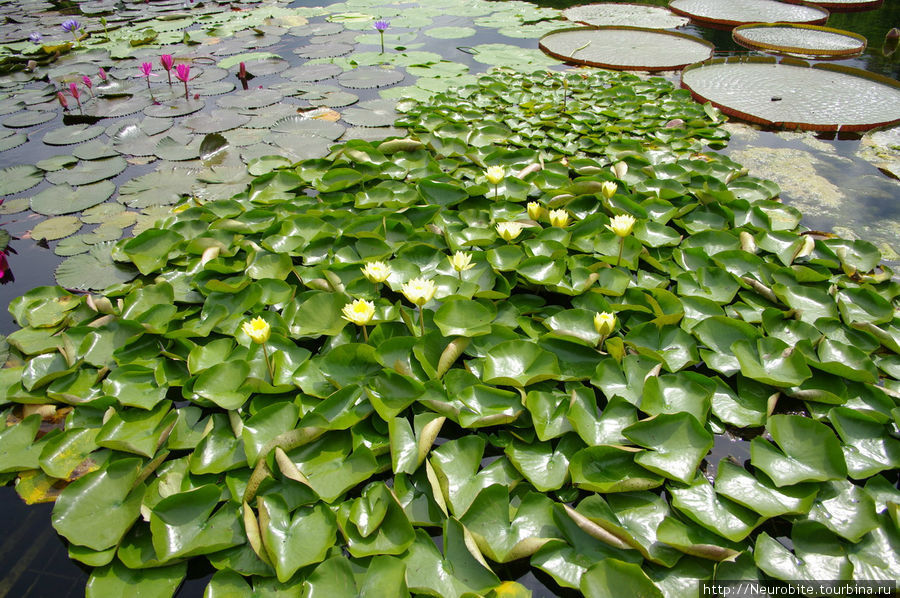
(56, 228)
(63, 199)
(19, 178)
(72, 134)
(86, 172)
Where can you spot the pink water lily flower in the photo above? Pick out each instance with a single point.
(62, 100)
(167, 61)
(102, 74)
(183, 72)
(89, 84)
(73, 89)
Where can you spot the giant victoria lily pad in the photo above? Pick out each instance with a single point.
(626, 48)
(803, 40)
(729, 13)
(625, 14)
(792, 94)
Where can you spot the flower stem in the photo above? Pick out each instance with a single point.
(422, 320)
(621, 247)
(185, 90)
(365, 334)
(382, 41)
(268, 363)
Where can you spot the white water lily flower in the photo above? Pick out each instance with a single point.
(461, 261)
(376, 271)
(509, 230)
(559, 218)
(605, 323)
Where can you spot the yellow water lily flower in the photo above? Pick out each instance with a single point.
(376, 271)
(609, 189)
(418, 290)
(495, 174)
(461, 261)
(509, 230)
(359, 311)
(605, 323)
(621, 224)
(534, 210)
(559, 218)
(257, 329)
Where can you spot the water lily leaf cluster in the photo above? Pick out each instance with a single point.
(495, 408)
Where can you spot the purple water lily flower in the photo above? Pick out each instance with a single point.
(381, 25)
(72, 26)
(35, 37)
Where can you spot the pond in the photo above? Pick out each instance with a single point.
(830, 180)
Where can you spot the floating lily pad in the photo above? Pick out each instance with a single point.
(114, 107)
(849, 5)
(72, 134)
(818, 98)
(94, 150)
(803, 40)
(94, 270)
(88, 171)
(621, 14)
(514, 57)
(373, 113)
(56, 228)
(254, 98)
(101, 213)
(312, 72)
(215, 121)
(177, 108)
(28, 118)
(330, 50)
(627, 48)
(19, 178)
(370, 77)
(159, 188)
(731, 13)
(300, 125)
(63, 199)
(9, 140)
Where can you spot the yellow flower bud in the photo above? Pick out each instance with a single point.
(257, 329)
(461, 261)
(620, 169)
(359, 311)
(559, 218)
(376, 271)
(605, 323)
(509, 230)
(621, 224)
(419, 291)
(534, 210)
(609, 189)
(495, 174)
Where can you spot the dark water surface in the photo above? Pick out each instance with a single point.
(33, 558)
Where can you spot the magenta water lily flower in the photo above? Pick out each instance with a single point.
(89, 84)
(167, 60)
(62, 100)
(102, 74)
(183, 72)
(73, 89)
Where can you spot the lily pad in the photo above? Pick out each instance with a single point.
(94, 270)
(19, 178)
(63, 199)
(89, 171)
(738, 12)
(370, 77)
(802, 40)
(625, 15)
(817, 98)
(627, 48)
(72, 134)
(56, 228)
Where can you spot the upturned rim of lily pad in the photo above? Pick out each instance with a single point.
(739, 36)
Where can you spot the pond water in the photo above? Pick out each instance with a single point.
(836, 188)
